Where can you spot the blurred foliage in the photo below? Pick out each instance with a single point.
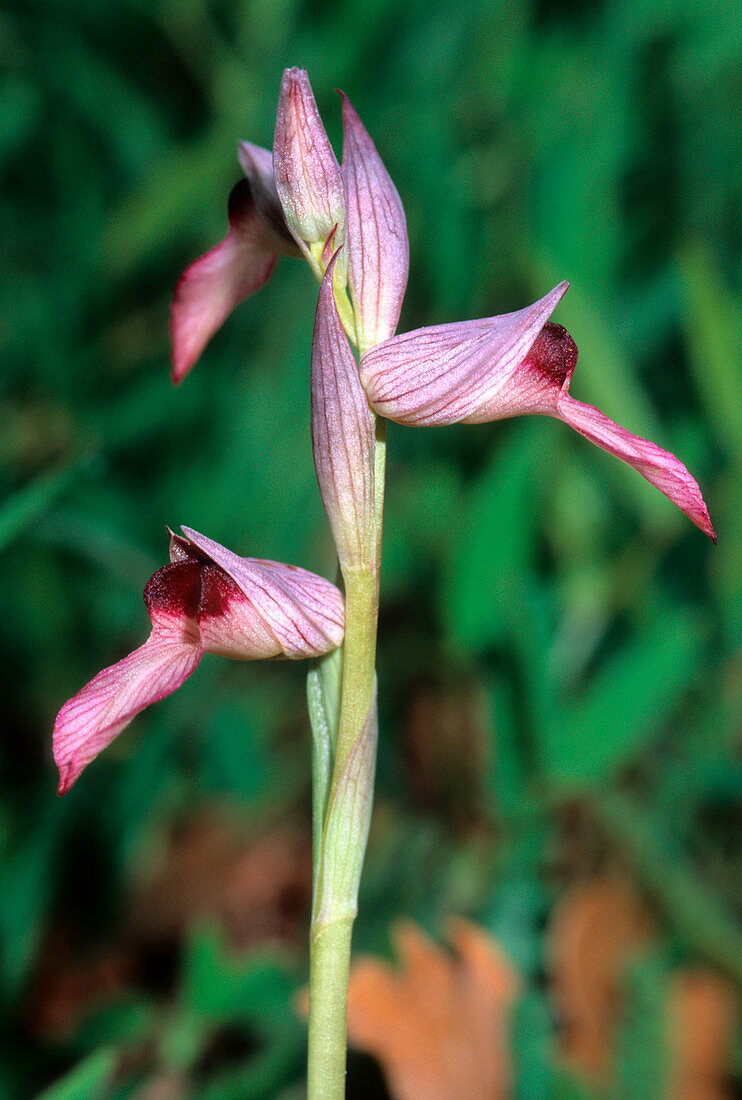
(559, 656)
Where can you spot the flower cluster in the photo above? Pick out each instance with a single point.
(467, 372)
(346, 219)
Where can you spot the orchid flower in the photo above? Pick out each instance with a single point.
(300, 201)
(475, 371)
(207, 600)
(213, 285)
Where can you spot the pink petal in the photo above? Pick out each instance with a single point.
(541, 385)
(228, 621)
(303, 614)
(90, 721)
(456, 372)
(213, 285)
(308, 178)
(343, 436)
(378, 248)
(659, 467)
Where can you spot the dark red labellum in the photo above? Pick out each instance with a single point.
(553, 353)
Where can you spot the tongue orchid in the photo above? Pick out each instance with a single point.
(207, 600)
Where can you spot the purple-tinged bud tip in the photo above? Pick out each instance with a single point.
(308, 178)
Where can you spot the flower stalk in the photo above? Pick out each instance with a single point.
(349, 729)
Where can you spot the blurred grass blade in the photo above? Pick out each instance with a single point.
(88, 1081)
(29, 504)
(621, 709)
(714, 332)
(700, 917)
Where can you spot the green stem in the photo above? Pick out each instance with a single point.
(349, 798)
(329, 964)
(359, 661)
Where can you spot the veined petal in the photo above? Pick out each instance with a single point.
(455, 372)
(378, 247)
(213, 285)
(90, 721)
(301, 613)
(541, 385)
(228, 622)
(307, 174)
(343, 435)
(661, 468)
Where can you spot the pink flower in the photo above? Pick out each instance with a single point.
(207, 600)
(300, 201)
(476, 371)
(211, 287)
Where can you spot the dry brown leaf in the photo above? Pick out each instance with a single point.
(259, 887)
(592, 936)
(438, 1023)
(68, 987)
(704, 1016)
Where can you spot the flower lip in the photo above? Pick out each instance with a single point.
(205, 600)
(211, 287)
(553, 353)
(174, 590)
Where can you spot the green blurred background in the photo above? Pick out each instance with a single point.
(561, 684)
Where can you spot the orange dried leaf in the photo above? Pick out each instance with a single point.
(704, 1016)
(438, 1023)
(258, 886)
(593, 934)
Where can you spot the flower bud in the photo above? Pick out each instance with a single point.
(308, 177)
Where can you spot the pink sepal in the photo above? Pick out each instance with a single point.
(378, 247)
(90, 721)
(342, 435)
(455, 372)
(307, 174)
(257, 164)
(211, 287)
(302, 613)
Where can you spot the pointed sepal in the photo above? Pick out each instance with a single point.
(460, 372)
(378, 247)
(343, 436)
